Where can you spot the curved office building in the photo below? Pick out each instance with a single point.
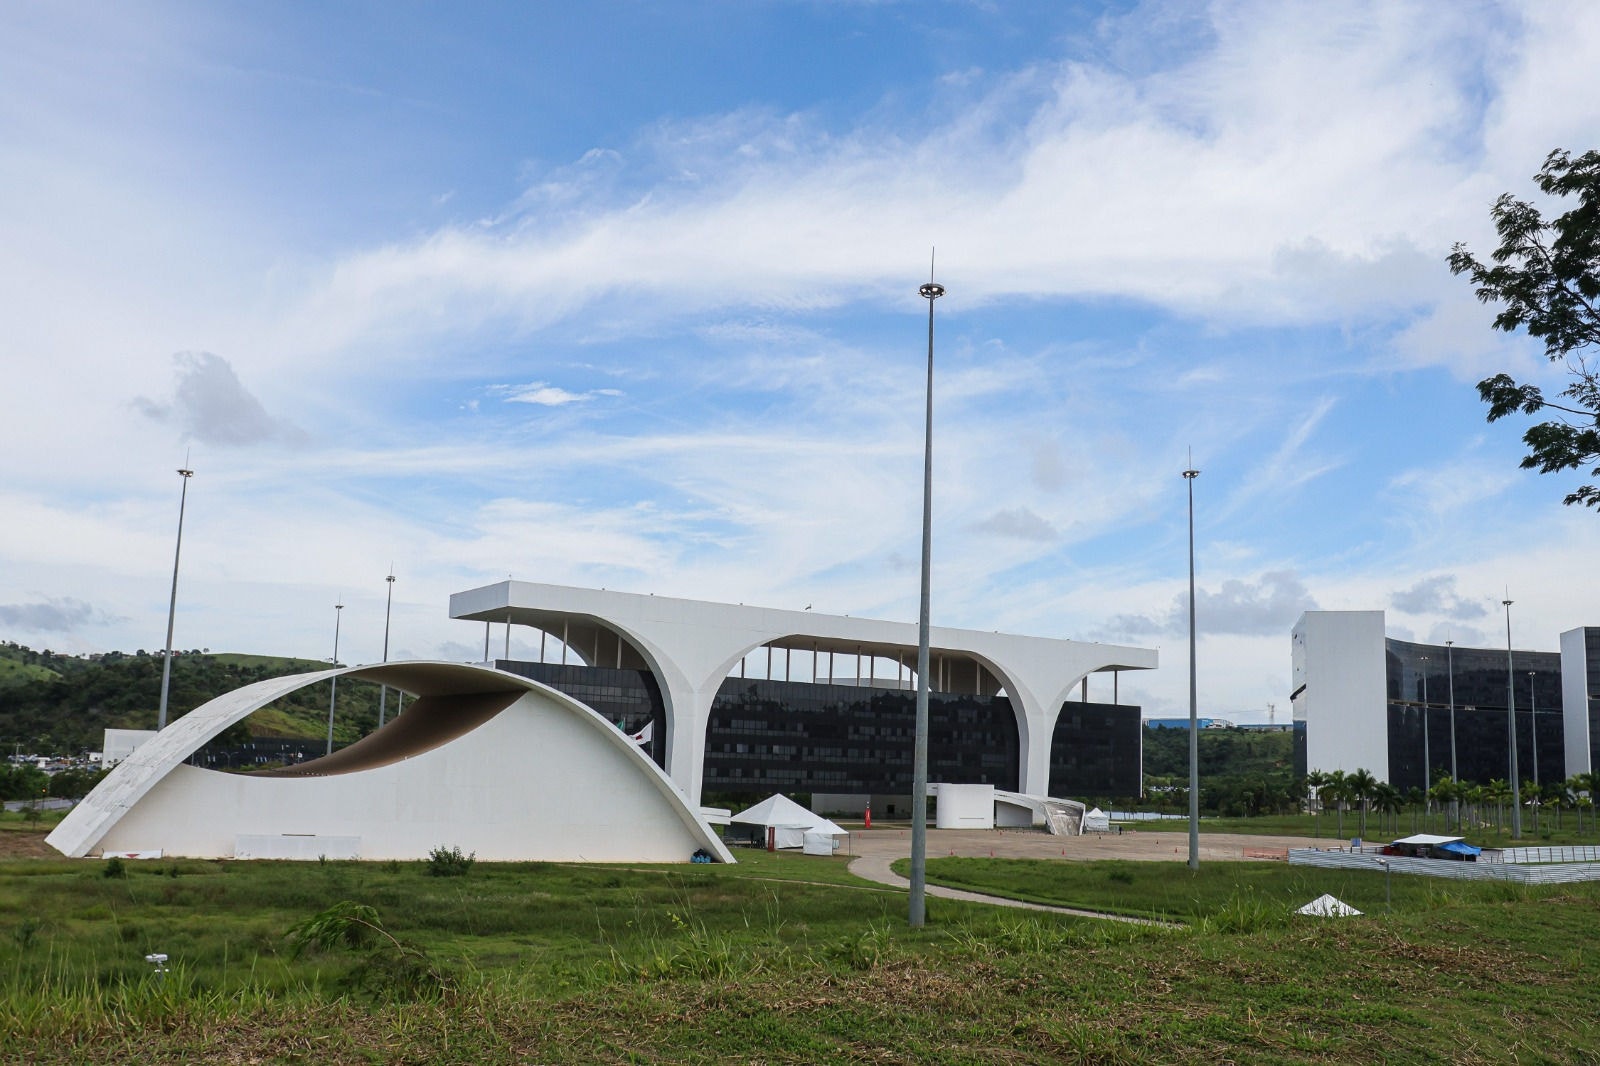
(1363, 700)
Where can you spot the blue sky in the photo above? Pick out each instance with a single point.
(624, 294)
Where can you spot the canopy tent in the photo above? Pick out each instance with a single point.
(1096, 821)
(789, 822)
(1431, 846)
(1428, 839)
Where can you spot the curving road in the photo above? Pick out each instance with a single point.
(876, 849)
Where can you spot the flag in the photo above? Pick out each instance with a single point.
(642, 737)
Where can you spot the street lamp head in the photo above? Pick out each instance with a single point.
(1191, 474)
(1507, 603)
(390, 579)
(338, 607)
(932, 290)
(186, 473)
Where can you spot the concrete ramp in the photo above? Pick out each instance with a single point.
(1062, 817)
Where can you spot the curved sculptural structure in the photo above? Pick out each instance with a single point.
(481, 760)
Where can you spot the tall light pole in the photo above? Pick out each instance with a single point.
(1511, 728)
(919, 756)
(1455, 780)
(333, 686)
(383, 692)
(1194, 706)
(1533, 715)
(1427, 763)
(172, 604)
(1450, 668)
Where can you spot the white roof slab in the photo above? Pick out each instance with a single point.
(692, 645)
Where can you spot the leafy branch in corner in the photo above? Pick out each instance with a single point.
(1545, 275)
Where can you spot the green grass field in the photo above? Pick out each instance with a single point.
(1549, 830)
(785, 958)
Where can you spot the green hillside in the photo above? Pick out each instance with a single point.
(1242, 771)
(61, 704)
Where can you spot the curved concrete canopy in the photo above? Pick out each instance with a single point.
(483, 760)
(691, 645)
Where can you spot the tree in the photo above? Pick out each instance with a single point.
(1386, 799)
(1362, 784)
(1546, 277)
(1314, 782)
(1337, 788)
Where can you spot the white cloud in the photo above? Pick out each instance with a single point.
(212, 406)
(1437, 595)
(541, 394)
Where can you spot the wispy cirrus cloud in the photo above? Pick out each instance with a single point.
(543, 394)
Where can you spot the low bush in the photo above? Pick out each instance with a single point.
(449, 862)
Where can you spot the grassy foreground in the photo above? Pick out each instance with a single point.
(784, 959)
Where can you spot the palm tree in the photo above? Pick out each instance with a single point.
(1414, 801)
(1387, 799)
(1497, 792)
(1337, 789)
(1577, 789)
(1443, 792)
(1473, 797)
(1314, 782)
(1361, 785)
(1555, 794)
(1531, 794)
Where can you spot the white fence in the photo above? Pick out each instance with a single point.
(1516, 871)
(1576, 853)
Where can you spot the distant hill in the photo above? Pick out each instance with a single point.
(1242, 771)
(62, 704)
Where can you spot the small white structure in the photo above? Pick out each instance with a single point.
(118, 744)
(1326, 906)
(482, 760)
(789, 824)
(1096, 821)
(963, 806)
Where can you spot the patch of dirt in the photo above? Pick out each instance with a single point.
(25, 844)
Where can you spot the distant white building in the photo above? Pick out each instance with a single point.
(118, 744)
(1410, 712)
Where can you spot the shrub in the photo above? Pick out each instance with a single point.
(114, 867)
(449, 862)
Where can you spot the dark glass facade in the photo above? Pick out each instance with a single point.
(783, 736)
(1482, 746)
(1096, 751)
(792, 736)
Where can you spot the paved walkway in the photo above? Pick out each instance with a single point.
(875, 850)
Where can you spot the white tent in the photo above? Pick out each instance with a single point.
(790, 822)
(1325, 906)
(1096, 821)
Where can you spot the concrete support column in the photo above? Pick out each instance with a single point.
(686, 737)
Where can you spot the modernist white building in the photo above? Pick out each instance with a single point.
(481, 760)
(692, 647)
(1409, 712)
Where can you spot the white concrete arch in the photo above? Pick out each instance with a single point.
(692, 644)
(483, 760)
